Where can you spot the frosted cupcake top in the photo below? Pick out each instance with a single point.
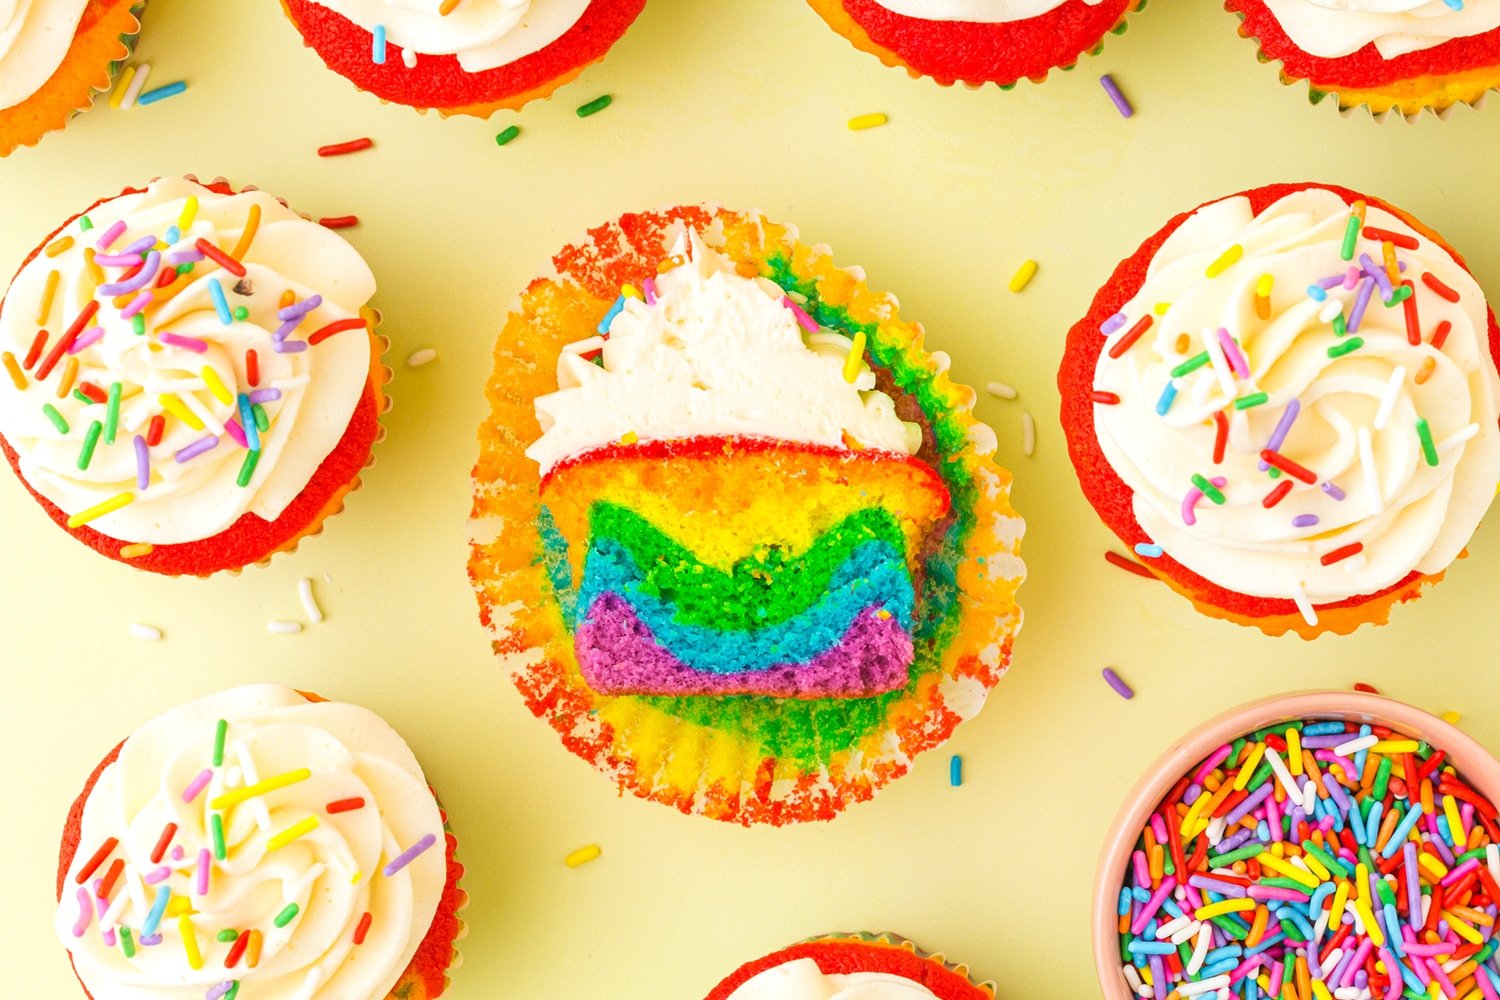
(984, 11)
(482, 34)
(35, 36)
(1302, 404)
(704, 351)
(178, 358)
(1332, 29)
(254, 839)
(801, 979)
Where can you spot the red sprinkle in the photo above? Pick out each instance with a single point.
(1386, 236)
(339, 221)
(1221, 435)
(111, 877)
(337, 326)
(1413, 324)
(1115, 559)
(221, 258)
(1440, 335)
(104, 851)
(1135, 333)
(345, 805)
(37, 345)
(59, 348)
(252, 367)
(363, 928)
(93, 392)
(1277, 495)
(1435, 283)
(154, 430)
(1105, 398)
(1366, 688)
(1340, 554)
(237, 949)
(168, 276)
(163, 842)
(1279, 461)
(343, 148)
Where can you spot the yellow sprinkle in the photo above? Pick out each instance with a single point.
(59, 246)
(65, 384)
(1455, 821)
(1359, 210)
(137, 549)
(1320, 990)
(1226, 260)
(1317, 867)
(1023, 276)
(1224, 906)
(629, 437)
(1190, 819)
(180, 905)
(95, 271)
(1247, 770)
(216, 385)
(291, 833)
(1462, 929)
(1434, 867)
(1294, 751)
(1264, 285)
(175, 406)
(856, 357)
(355, 879)
(860, 122)
(1392, 268)
(1291, 871)
(883, 614)
(17, 377)
(1367, 917)
(120, 88)
(1340, 900)
(189, 212)
(190, 942)
(1161, 308)
(1452, 718)
(114, 503)
(49, 290)
(231, 799)
(1395, 746)
(630, 291)
(582, 856)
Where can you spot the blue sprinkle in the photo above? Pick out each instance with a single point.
(162, 93)
(377, 49)
(248, 425)
(1147, 551)
(1454, 4)
(1317, 293)
(221, 305)
(955, 770)
(609, 317)
(1168, 394)
(172, 235)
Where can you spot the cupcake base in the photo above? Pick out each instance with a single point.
(892, 954)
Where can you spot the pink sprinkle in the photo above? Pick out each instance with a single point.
(85, 912)
(1193, 496)
(204, 860)
(102, 907)
(191, 343)
(237, 432)
(158, 875)
(1233, 355)
(114, 232)
(198, 784)
(118, 259)
(649, 288)
(176, 852)
(801, 314)
(1351, 278)
(89, 336)
(136, 304)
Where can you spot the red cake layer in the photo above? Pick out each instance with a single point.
(843, 956)
(1366, 68)
(1108, 493)
(439, 81)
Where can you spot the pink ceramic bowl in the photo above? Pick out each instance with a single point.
(1475, 763)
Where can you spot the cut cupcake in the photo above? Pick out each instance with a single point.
(470, 57)
(1286, 401)
(978, 41)
(260, 842)
(1402, 56)
(193, 382)
(55, 57)
(852, 967)
(745, 533)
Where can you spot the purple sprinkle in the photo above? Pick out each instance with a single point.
(1121, 688)
(158, 875)
(118, 259)
(108, 237)
(149, 940)
(290, 347)
(1361, 303)
(141, 245)
(187, 454)
(1113, 90)
(1376, 272)
(299, 309)
(1333, 491)
(1112, 324)
(142, 463)
(1283, 428)
(195, 788)
(285, 329)
(135, 284)
(191, 343)
(136, 304)
(89, 336)
(182, 257)
(265, 395)
(1330, 283)
(1304, 520)
(409, 855)
(216, 992)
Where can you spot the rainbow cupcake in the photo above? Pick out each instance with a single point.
(745, 534)
(853, 967)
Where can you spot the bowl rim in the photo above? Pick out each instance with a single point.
(1479, 767)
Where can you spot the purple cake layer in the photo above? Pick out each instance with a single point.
(618, 654)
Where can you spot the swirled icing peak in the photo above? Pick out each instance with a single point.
(982, 11)
(801, 979)
(706, 351)
(35, 36)
(1302, 400)
(483, 34)
(1335, 28)
(254, 838)
(179, 358)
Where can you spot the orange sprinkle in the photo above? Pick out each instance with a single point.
(252, 226)
(252, 950)
(58, 247)
(95, 271)
(136, 550)
(49, 291)
(14, 368)
(70, 372)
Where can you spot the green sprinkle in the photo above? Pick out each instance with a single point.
(78, 395)
(285, 916)
(1347, 347)
(112, 414)
(262, 422)
(240, 313)
(85, 224)
(1281, 883)
(1230, 857)
(1424, 431)
(127, 942)
(1382, 778)
(1351, 236)
(1330, 862)
(1387, 894)
(1190, 365)
(247, 468)
(234, 991)
(55, 417)
(138, 324)
(220, 732)
(505, 137)
(595, 106)
(1208, 489)
(1255, 399)
(1340, 325)
(217, 827)
(183, 269)
(1400, 295)
(1274, 472)
(226, 936)
(90, 441)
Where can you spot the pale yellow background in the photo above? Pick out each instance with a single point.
(744, 101)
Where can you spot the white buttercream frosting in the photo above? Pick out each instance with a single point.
(483, 34)
(1357, 425)
(319, 387)
(35, 36)
(716, 353)
(333, 875)
(801, 979)
(1334, 28)
(983, 11)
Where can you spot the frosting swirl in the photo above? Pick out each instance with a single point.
(35, 36)
(982, 11)
(713, 353)
(483, 34)
(177, 444)
(298, 898)
(1331, 29)
(801, 979)
(1264, 335)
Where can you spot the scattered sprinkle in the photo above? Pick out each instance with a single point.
(1023, 276)
(133, 91)
(861, 122)
(148, 632)
(506, 135)
(1113, 680)
(423, 357)
(280, 627)
(1028, 434)
(309, 600)
(339, 221)
(595, 106)
(1147, 550)
(955, 770)
(162, 93)
(1113, 90)
(582, 856)
(1001, 390)
(1129, 565)
(345, 148)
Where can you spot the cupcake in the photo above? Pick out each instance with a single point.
(260, 840)
(978, 41)
(461, 57)
(54, 57)
(1285, 401)
(1387, 55)
(746, 536)
(852, 967)
(192, 379)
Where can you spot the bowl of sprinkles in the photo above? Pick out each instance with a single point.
(1319, 845)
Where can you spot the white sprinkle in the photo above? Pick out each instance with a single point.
(1001, 390)
(1388, 398)
(284, 627)
(1367, 465)
(148, 632)
(1332, 311)
(1283, 774)
(1202, 986)
(1309, 614)
(1351, 747)
(1028, 435)
(423, 357)
(1200, 948)
(1457, 438)
(136, 84)
(309, 602)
